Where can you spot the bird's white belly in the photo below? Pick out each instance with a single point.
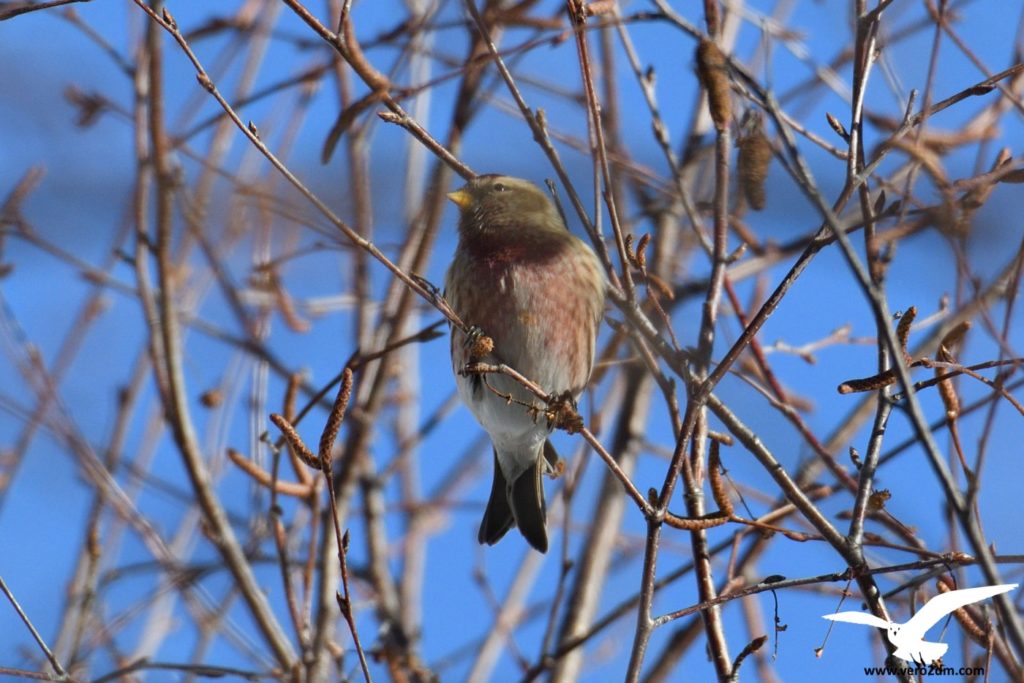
(517, 432)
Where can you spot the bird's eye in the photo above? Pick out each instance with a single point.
(499, 187)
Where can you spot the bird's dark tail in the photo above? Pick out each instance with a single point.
(526, 498)
(498, 516)
(521, 504)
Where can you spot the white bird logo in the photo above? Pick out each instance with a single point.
(909, 637)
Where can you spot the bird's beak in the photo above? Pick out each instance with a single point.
(461, 198)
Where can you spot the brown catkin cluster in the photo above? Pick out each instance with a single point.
(712, 68)
(755, 153)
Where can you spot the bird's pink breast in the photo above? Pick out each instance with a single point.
(538, 305)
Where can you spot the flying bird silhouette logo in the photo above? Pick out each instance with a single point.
(909, 637)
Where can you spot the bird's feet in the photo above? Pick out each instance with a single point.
(477, 343)
(553, 465)
(561, 413)
(433, 290)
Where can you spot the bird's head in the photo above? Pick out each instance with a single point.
(503, 204)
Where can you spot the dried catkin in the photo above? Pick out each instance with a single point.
(714, 75)
(752, 166)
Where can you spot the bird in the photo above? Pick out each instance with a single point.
(909, 637)
(523, 280)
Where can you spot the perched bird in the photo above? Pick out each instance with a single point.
(537, 291)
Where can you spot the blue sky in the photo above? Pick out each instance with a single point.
(83, 201)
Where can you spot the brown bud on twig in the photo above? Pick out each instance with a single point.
(838, 127)
(205, 81)
(714, 76)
